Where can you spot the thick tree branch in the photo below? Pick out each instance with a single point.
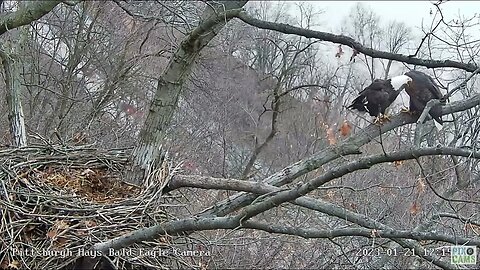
(362, 163)
(388, 233)
(32, 11)
(430, 104)
(347, 147)
(168, 228)
(207, 182)
(240, 220)
(462, 219)
(181, 226)
(196, 224)
(13, 83)
(148, 153)
(348, 41)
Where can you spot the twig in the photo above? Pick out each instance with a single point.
(461, 85)
(430, 104)
(47, 214)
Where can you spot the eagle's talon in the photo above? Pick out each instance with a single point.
(405, 110)
(380, 94)
(378, 121)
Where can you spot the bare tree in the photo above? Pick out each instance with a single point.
(25, 14)
(147, 154)
(16, 117)
(249, 207)
(276, 173)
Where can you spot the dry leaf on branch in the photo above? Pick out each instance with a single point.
(4, 264)
(331, 136)
(14, 265)
(354, 53)
(60, 242)
(415, 208)
(421, 185)
(474, 228)
(345, 129)
(51, 234)
(87, 172)
(353, 206)
(398, 163)
(90, 223)
(58, 227)
(339, 51)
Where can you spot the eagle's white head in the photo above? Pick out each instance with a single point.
(398, 81)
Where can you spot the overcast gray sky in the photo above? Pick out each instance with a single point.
(410, 12)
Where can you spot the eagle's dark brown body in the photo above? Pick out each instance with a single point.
(421, 90)
(375, 98)
(379, 95)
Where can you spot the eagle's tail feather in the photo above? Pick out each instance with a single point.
(358, 104)
(436, 113)
(438, 125)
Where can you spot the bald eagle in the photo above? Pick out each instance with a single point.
(421, 90)
(378, 96)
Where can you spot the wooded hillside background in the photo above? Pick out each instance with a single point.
(232, 115)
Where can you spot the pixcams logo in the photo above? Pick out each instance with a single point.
(463, 254)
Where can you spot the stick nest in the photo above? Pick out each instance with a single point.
(56, 202)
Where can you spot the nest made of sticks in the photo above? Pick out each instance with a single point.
(57, 201)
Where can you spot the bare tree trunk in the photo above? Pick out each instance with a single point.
(147, 154)
(26, 14)
(15, 111)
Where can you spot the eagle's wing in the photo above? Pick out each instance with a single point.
(427, 82)
(372, 99)
(377, 101)
(433, 88)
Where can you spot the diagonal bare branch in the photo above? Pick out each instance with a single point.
(32, 11)
(241, 220)
(362, 163)
(463, 84)
(347, 147)
(348, 41)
